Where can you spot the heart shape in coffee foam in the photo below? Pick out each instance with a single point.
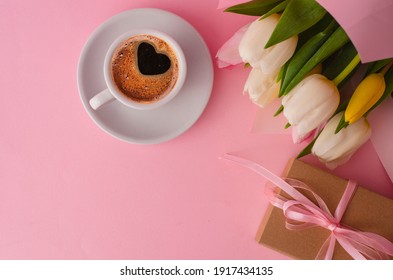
(150, 62)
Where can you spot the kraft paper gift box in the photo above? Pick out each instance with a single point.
(367, 211)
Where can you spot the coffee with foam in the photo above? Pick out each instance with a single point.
(144, 68)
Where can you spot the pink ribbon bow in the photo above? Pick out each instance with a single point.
(302, 213)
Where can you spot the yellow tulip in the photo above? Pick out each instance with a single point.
(368, 92)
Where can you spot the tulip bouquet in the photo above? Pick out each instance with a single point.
(298, 53)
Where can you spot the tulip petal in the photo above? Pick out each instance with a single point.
(317, 116)
(336, 149)
(325, 142)
(261, 88)
(368, 92)
(299, 138)
(268, 60)
(250, 47)
(228, 55)
(312, 102)
(276, 56)
(388, 89)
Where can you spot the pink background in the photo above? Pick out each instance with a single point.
(68, 190)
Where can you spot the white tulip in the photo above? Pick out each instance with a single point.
(336, 149)
(262, 88)
(252, 51)
(311, 103)
(228, 55)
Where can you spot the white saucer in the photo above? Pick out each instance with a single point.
(151, 126)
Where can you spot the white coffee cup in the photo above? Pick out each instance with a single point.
(112, 92)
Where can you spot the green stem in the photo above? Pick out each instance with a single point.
(279, 111)
(347, 70)
(386, 68)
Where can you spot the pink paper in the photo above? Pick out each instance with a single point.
(368, 23)
(381, 120)
(265, 121)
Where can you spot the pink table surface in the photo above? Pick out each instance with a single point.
(70, 191)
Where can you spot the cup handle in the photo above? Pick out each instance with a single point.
(101, 98)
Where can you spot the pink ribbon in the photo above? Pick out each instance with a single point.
(302, 213)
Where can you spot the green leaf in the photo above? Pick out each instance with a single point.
(307, 150)
(337, 40)
(342, 106)
(374, 67)
(340, 61)
(304, 37)
(303, 55)
(277, 9)
(254, 8)
(279, 111)
(298, 16)
(281, 73)
(320, 26)
(341, 66)
(348, 71)
(342, 124)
